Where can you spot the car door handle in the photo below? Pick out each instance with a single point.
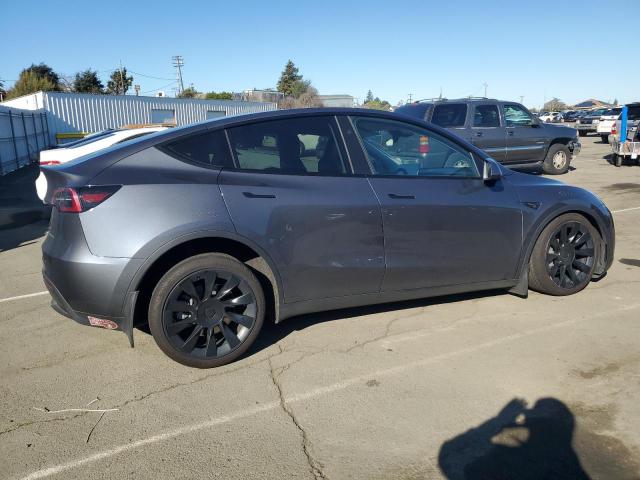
(257, 195)
(395, 196)
(478, 134)
(510, 133)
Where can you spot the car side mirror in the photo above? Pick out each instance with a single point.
(491, 172)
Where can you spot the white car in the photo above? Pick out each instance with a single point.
(89, 144)
(551, 117)
(608, 120)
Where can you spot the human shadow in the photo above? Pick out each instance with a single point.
(518, 443)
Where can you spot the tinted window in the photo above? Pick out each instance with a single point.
(450, 114)
(633, 113)
(416, 110)
(209, 149)
(293, 146)
(515, 115)
(486, 116)
(398, 148)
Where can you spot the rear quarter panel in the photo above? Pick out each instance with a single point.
(161, 198)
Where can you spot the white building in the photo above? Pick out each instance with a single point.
(80, 112)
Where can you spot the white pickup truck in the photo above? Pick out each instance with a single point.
(630, 148)
(607, 120)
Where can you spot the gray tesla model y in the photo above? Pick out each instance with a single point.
(204, 231)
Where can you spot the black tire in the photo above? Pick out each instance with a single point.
(549, 255)
(582, 133)
(617, 160)
(604, 138)
(551, 163)
(181, 310)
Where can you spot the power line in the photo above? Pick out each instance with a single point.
(150, 76)
(158, 89)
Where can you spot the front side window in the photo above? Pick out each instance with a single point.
(517, 115)
(302, 146)
(208, 149)
(449, 115)
(486, 116)
(398, 148)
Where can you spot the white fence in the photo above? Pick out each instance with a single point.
(23, 133)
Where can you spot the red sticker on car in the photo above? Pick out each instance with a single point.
(101, 322)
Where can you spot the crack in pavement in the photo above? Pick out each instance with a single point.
(315, 466)
(387, 331)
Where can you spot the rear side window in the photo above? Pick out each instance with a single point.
(486, 116)
(209, 149)
(299, 146)
(450, 115)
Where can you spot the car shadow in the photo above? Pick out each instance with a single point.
(22, 236)
(272, 333)
(518, 443)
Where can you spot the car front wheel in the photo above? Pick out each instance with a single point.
(564, 256)
(557, 160)
(207, 310)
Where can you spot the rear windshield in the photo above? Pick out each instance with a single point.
(450, 115)
(91, 139)
(613, 111)
(633, 112)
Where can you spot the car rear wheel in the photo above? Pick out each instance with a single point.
(604, 138)
(617, 160)
(207, 310)
(564, 256)
(582, 133)
(557, 160)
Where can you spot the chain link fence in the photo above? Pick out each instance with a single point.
(23, 134)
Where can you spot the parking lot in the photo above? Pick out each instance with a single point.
(472, 386)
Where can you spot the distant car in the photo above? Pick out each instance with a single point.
(570, 116)
(208, 231)
(551, 117)
(505, 130)
(588, 123)
(90, 144)
(607, 120)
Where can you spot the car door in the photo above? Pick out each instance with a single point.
(292, 193)
(488, 132)
(442, 225)
(526, 140)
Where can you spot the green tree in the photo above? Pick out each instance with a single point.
(369, 97)
(3, 92)
(189, 92)
(300, 87)
(375, 103)
(219, 96)
(119, 82)
(42, 70)
(87, 82)
(30, 82)
(554, 105)
(288, 79)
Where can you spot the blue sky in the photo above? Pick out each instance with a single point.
(536, 49)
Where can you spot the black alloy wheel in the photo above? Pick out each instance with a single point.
(570, 255)
(209, 314)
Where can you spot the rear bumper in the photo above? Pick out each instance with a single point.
(90, 290)
(587, 128)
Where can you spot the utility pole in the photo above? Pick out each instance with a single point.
(121, 79)
(485, 85)
(178, 62)
(521, 98)
(137, 89)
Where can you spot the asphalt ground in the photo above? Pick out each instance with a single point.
(471, 386)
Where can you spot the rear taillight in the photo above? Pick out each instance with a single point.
(48, 163)
(78, 200)
(614, 129)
